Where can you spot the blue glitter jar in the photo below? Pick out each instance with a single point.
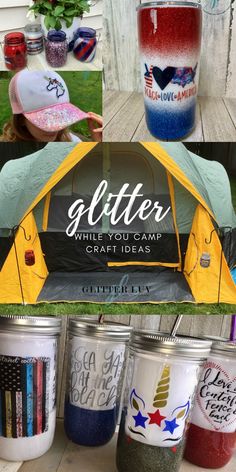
(96, 361)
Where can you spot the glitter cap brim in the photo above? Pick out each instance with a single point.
(56, 117)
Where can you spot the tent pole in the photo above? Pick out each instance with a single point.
(17, 263)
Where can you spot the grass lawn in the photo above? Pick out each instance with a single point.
(117, 309)
(85, 89)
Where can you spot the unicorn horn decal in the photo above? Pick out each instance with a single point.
(162, 391)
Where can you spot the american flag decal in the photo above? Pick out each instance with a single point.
(24, 396)
(148, 77)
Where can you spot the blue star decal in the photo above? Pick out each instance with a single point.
(140, 420)
(171, 426)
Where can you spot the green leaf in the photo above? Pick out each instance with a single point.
(47, 22)
(59, 10)
(58, 25)
(70, 12)
(52, 21)
(48, 5)
(69, 21)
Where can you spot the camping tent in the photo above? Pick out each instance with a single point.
(140, 222)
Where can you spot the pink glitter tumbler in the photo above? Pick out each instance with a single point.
(170, 44)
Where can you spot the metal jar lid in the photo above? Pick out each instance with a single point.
(169, 3)
(222, 346)
(163, 343)
(44, 325)
(107, 330)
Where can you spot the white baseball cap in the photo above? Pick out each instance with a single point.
(43, 98)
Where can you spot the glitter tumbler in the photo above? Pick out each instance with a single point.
(95, 374)
(170, 42)
(162, 376)
(56, 48)
(28, 367)
(211, 440)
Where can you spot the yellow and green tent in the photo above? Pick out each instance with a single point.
(187, 256)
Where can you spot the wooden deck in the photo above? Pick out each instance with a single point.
(125, 120)
(38, 62)
(65, 456)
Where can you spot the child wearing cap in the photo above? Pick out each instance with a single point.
(42, 110)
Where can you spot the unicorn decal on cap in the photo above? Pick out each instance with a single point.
(54, 84)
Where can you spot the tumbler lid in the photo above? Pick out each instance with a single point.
(107, 330)
(44, 325)
(170, 3)
(163, 343)
(222, 346)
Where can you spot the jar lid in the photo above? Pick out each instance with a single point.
(222, 346)
(14, 38)
(45, 325)
(57, 36)
(163, 343)
(167, 3)
(106, 330)
(33, 28)
(85, 32)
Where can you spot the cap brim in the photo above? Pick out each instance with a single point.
(56, 117)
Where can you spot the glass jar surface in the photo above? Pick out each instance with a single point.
(85, 44)
(95, 373)
(211, 439)
(56, 48)
(34, 38)
(15, 51)
(158, 399)
(28, 368)
(169, 45)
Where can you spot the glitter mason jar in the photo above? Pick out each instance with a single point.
(56, 48)
(96, 363)
(211, 439)
(15, 51)
(162, 377)
(169, 43)
(34, 38)
(85, 44)
(28, 365)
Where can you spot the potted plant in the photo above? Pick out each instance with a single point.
(59, 14)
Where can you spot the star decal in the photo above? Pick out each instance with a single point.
(140, 420)
(156, 418)
(171, 426)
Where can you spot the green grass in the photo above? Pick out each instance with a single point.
(85, 89)
(118, 309)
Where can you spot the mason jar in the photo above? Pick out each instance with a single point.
(211, 440)
(56, 48)
(162, 377)
(34, 38)
(170, 45)
(96, 362)
(28, 374)
(85, 44)
(15, 51)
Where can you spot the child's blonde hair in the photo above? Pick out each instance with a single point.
(15, 130)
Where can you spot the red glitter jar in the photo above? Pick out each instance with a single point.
(15, 51)
(211, 440)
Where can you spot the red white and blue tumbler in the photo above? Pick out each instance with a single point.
(170, 44)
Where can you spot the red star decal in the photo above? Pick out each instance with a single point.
(174, 449)
(156, 418)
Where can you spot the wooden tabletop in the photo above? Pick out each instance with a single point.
(38, 62)
(125, 119)
(64, 456)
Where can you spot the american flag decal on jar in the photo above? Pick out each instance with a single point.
(24, 396)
